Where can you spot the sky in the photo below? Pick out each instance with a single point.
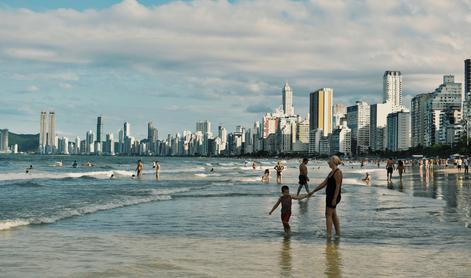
(177, 62)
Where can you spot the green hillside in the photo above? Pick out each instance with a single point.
(26, 142)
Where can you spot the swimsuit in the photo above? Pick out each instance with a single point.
(330, 191)
(285, 208)
(302, 179)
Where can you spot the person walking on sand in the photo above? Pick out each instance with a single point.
(279, 169)
(466, 165)
(333, 184)
(389, 168)
(139, 168)
(303, 179)
(285, 201)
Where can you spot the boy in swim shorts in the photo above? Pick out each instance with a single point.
(285, 201)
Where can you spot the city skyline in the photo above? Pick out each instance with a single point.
(234, 68)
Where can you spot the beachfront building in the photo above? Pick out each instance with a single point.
(340, 140)
(398, 130)
(392, 88)
(287, 99)
(314, 141)
(339, 114)
(320, 110)
(358, 119)
(51, 134)
(63, 145)
(433, 113)
(3, 140)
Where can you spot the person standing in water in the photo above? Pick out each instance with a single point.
(401, 168)
(333, 184)
(157, 170)
(389, 168)
(279, 169)
(139, 168)
(254, 165)
(303, 179)
(285, 201)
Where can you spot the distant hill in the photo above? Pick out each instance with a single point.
(26, 142)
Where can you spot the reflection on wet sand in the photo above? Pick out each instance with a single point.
(286, 264)
(333, 260)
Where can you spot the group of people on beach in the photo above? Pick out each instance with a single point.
(332, 185)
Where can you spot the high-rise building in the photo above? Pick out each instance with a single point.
(63, 145)
(109, 144)
(99, 129)
(467, 77)
(339, 114)
(392, 87)
(3, 140)
(399, 131)
(89, 142)
(432, 113)
(203, 126)
(467, 96)
(287, 97)
(127, 130)
(378, 121)
(42, 132)
(320, 110)
(358, 119)
(51, 134)
(152, 133)
(340, 140)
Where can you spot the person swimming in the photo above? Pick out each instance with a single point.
(112, 176)
(367, 178)
(75, 164)
(28, 170)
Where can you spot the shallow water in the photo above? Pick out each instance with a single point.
(60, 221)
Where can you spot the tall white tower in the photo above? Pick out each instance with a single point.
(287, 96)
(51, 135)
(392, 88)
(42, 132)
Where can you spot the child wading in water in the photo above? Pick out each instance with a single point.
(285, 201)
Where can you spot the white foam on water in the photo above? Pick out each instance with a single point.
(48, 175)
(71, 212)
(201, 175)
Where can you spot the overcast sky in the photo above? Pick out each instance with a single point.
(174, 63)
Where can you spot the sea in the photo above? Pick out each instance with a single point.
(60, 221)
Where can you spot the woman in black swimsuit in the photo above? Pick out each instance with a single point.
(333, 184)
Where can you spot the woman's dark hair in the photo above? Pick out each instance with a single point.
(284, 187)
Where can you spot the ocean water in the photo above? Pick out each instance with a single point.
(66, 222)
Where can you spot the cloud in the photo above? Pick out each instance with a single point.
(258, 108)
(32, 89)
(66, 86)
(217, 53)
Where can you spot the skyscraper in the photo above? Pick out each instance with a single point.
(99, 129)
(287, 96)
(127, 130)
(399, 131)
(320, 110)
(3, 140)
(358, 119)
(152, 133)
(203, 126)
(42, 132)
(467, 77)
(433, 112)
(392, 87)
(51, 134)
